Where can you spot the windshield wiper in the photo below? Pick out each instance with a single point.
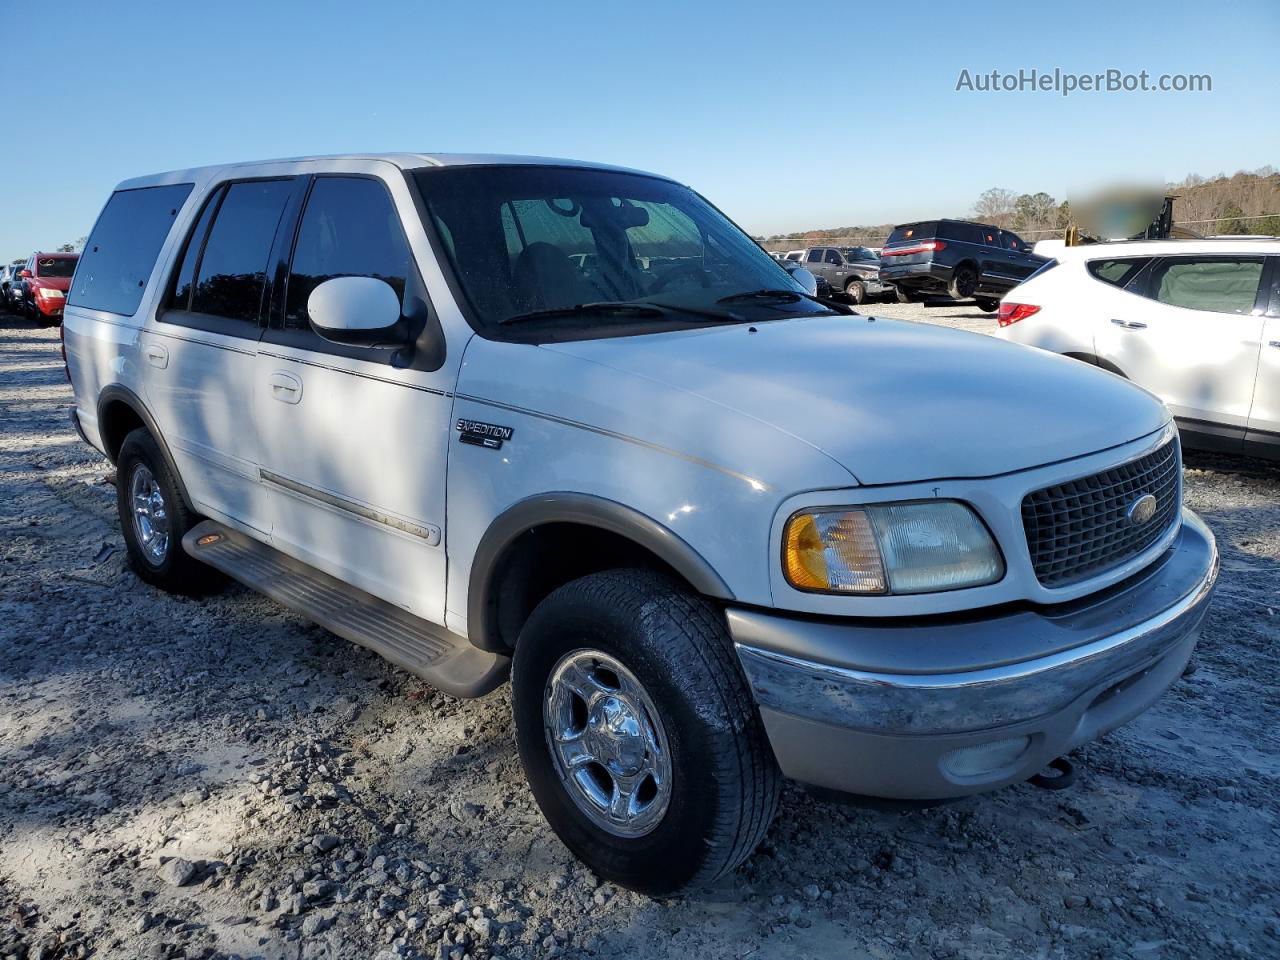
(635, 308)
(603, 307)
(780, 296)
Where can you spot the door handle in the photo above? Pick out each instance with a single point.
(157, 355)
(285, 387)
(1130, 324)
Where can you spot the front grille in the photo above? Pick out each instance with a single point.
(1079, 529)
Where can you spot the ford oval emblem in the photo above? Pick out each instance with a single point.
(1142, 509)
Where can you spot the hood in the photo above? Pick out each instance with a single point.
(894, 401)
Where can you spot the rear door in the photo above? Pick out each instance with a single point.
(1264, 418)
(1189, 329)
(994, 259)
(836, 272)
(1021, 263)
(354, 440)
(815, 262)
(201, 352)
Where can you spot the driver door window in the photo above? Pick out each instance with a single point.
(834, 258)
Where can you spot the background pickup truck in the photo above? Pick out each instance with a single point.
(853, 271)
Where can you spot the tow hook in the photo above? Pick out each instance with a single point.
(1065, 778)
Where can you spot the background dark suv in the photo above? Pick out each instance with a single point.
(956, 258)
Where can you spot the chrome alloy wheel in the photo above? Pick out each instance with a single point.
(150, 516)
(608, 743)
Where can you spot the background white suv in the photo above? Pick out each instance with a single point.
(1196, 322)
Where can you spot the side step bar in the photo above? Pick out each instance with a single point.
(444, 659)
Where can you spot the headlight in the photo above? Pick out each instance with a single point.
(919, 547)
(49, 292)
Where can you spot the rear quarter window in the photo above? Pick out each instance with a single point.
(122, 249)
(1117, 272)
(964, 232)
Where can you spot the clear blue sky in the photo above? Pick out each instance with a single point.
(788, 116)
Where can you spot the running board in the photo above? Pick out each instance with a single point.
(445, 660)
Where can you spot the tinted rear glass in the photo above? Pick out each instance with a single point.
(966, 232)
(233, 266)
(1117, 272)
(123, 247)
(55, 266)
(924, 230)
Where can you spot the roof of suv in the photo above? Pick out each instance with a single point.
(404, 161)
(1167, 248)
(912, 223)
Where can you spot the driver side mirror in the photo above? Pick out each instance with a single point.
(360, 311)
(24, 274)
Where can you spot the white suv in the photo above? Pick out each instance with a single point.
(1196, 322)
(492, 416)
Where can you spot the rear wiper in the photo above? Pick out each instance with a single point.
(635, 308)
(602, 307)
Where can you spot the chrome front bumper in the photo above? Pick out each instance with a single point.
(883, 708)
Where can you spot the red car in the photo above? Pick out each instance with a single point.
(45, 281)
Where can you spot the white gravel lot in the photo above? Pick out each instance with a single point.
(218, 778)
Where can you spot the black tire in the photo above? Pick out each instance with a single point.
(902, 296)
(174, 570)
(964, 281)
(724, 780)
(987, 304)
(856, 291)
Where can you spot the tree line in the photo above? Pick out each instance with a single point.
(1245, 202)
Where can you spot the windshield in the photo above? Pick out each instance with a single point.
(55, 266)
(533, 239)
(860, 253)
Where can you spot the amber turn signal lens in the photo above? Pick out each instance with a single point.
(833, 551)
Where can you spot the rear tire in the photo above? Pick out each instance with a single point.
(856, 291)
(964, 281)
(708, 785)
(154, 519)
(987, 304)
(902, 296)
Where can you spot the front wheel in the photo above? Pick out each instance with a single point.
(638, 733)
(987, 304)
(856, 291)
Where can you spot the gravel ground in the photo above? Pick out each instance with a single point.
(218, 778)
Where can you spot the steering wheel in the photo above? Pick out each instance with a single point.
(570, 211)
(693, 269)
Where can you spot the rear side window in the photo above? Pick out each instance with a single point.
(231, 262)
(1118, 273)
(350, 229)
(924, 230)
(965, 232)
(123, 247)
(1220, 285)
(815, 256)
